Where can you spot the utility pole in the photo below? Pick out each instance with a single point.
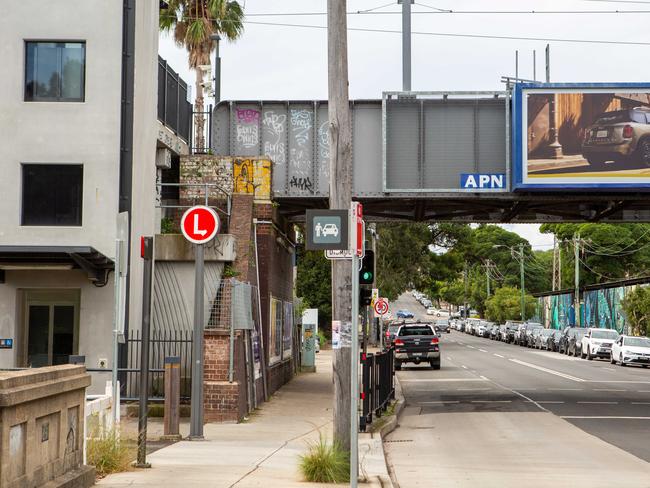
(465, 311)
(488, 265)
(521, 278)
(340, 198)
(553, 284)
(548, 63)
(406, 45)
(576, 257)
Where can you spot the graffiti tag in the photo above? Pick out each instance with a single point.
(303, 184)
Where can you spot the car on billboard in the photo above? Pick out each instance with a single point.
(620, 136)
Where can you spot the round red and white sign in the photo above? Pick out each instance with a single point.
(200, 224)
(381, 307)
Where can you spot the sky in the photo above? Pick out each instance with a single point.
(272, 62)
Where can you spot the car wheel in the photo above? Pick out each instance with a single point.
(589, 356)
(398, 366)
(643, 151)
(435, 364)
(620, 358)
(583, 355)
(611, 358)
(596, 161)
(644, 365)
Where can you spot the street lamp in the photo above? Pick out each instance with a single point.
(217, 69)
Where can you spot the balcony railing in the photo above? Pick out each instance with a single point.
(173, 108)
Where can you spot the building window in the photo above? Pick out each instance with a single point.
(52, 194)
(55, 71)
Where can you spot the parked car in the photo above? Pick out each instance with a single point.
(618, 136)
(442, 325)
(486, 331)
(631, 350)
(508, 334)
(534, 333)
(564, 340)
(553, 342)
(480, 328)
(416, 343)
(404, 314)
(542, 338)
(431, 311)
(494, 331)
(526, 333)
(597, 343)
(518, 337)
(574, 346)
(390, 333)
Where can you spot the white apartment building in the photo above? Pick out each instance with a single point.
(78, 143)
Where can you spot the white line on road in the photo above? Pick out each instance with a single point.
(565, 389)
(463, 366)
(640, 403)
(546, 370)
(550, 401)
(482, 350)
(438, 403)
(618, 381)
(607, 389)
(643, 391)
(436, 380)
(602, 417)
(491, 401)
(610, 369)
(473, 389)
(448, 358)
(599, 403)
(471, 347)
(498, 355)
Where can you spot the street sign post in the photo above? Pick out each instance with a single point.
(199, 225)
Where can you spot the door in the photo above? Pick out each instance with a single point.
(51, 328)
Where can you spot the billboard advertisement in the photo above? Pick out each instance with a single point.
(589, 136)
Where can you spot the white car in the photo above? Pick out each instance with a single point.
(431, 311)
(631, 350)
(597, 343)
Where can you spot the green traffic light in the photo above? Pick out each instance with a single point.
(367, 275)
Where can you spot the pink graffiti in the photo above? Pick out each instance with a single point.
(248, 115)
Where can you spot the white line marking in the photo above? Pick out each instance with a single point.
(610, 369)
(436, 380)
(473, 389)
(603, 417)
(482, 350)
(565, 389)
(438, 403)
(463, 366)
(550, 401)
(618, 381)
(471, 347)
(640, 403)
(491, 401)
(498, 355)
(606, 389)
(643, 391)
(448, 358)
(546, 370)
(599, 403)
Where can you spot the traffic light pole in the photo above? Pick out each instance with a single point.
(354, 374)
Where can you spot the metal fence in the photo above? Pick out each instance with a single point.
(162, 344)
(378, 385)
(202, 132)
(173, 108)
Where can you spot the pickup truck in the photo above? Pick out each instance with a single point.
(417, 343)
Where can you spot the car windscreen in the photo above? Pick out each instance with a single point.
(418, 330)
(637, 341)
(393, 328)
(604, 334)
(614, 117)
(579, 333)
(442, 322)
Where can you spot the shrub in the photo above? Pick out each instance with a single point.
(325, 463)
(109, 453)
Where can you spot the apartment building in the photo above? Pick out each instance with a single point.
(79, 142)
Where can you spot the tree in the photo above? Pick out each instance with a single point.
(505, 304)
(636, 306)
(314, 284)
(193, 22)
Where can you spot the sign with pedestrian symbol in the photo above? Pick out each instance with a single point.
(326, 229)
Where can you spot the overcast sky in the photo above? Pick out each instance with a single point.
(289, 62)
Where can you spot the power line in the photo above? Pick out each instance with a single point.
(470, 36)
(453, 12)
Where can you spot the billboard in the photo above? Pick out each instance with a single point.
(590, 136)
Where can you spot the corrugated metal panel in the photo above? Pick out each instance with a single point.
(366, 147)
(491, 135)
(402, 145)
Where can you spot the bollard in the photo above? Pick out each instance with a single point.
(172, 398)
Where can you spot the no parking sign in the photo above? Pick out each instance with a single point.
(381, 306)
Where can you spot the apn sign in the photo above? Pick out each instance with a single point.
(482, 181)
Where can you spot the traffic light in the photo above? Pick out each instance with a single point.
(365, 297)
(367, 271)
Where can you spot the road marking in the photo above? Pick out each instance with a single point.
(473, 389)
(619, 381)
(482, 350)
(546, 370)
(498, 355)
(643, 391)
(471, 347)
(438, 403)
(550, 401)
(448, 358)
(610, 369)
(463, 366)
(565, 389)
(599, 403)
(436, 380)
(602, 417)
(640, 403)
(491, 401)
(607, 389)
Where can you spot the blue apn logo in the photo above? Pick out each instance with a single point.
(481, 181)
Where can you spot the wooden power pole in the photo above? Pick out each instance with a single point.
(340, 198)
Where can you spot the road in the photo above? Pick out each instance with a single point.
(501, 415)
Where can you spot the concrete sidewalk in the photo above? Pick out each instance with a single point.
(264, 451)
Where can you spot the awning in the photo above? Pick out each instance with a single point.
(94, 263)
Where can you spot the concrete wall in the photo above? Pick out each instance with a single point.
(63, 132)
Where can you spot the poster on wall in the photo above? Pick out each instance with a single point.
(581, 136)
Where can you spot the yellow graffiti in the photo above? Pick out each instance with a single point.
(252, 176)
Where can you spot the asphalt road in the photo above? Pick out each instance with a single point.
(501, 415)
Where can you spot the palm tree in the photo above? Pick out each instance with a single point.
(195, 24)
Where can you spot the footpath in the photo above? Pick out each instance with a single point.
(262, 451)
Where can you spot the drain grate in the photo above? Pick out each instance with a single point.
(399, 440)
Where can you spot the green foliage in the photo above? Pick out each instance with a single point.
(325, 463)
(167, 226)
(636, 306)
(505, 304)
(314, 283)
(322, 338)
(109, 452)
(229, 272)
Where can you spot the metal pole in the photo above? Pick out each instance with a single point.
(548, 63)
(144, 356)
(354, 373)
(217, 73)
(196, 421)
(465, 311)
(231, 353)
(523, 287)
(406, 45)
(534, 65)
(487, 275)
(516, 65)
(576, 252)
(116, 332)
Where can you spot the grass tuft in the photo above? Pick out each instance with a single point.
(109, 453)
(325, 463)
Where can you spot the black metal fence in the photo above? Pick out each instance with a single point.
(162, 344)
(201, 132)
(173, 108)
(378, 385)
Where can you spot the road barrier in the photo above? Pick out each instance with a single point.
(378, 385)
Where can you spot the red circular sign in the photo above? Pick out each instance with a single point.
(200, 224)
(381, 307)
